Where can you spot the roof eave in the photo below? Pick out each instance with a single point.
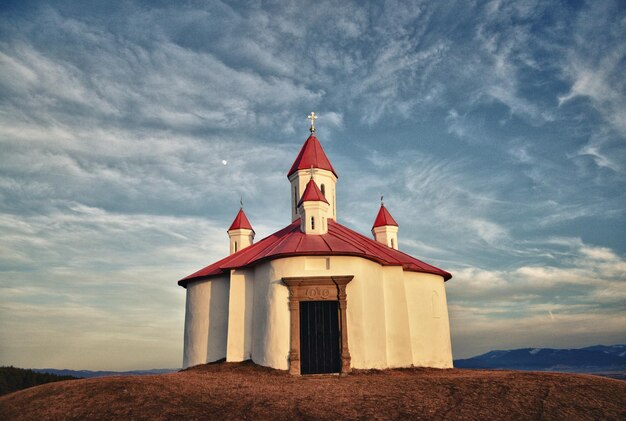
(183, 282)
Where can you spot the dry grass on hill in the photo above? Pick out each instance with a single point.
(247, 391)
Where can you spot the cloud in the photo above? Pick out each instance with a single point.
(114, 127)
(101, 282)
(553, 305)
(601, 81)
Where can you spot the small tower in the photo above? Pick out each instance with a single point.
(385, 229)
(240, 232)
(313, 161)
(313, 210)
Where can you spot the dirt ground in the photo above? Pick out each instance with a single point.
(247, 391)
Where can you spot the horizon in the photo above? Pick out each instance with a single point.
(130, 132)
(178, 368)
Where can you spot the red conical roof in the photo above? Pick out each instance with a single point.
(312, 193)
(311, 155)
(384, 218)
(240, 222)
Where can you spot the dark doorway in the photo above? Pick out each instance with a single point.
(319, 337)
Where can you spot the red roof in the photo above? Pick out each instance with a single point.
(240, 222)
(339, 241)
(312, 193)
(384, 218)
(311, 155)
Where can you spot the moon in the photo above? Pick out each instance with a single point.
(224, 162)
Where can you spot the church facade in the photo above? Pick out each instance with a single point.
(316, 296)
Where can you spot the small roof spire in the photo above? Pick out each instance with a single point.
(241, 222)
(383, 218)
(312, 117)
(241, 202)
(312, 193)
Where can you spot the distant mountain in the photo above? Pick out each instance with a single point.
(88, 373)
(592, 359)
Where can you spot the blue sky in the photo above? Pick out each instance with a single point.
(496, 131)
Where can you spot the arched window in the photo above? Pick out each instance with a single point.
(323, 190)
(235, 247)
(312, 222)
(392, 244)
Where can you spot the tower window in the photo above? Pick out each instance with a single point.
(235, 247)
(323, 190)
(295, 199)
(312, 222)
(392, 244)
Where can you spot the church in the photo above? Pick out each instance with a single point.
(316, 296)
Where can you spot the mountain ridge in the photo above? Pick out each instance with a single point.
(87, 374)
(609, 360)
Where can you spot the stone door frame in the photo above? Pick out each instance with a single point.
(317, 288)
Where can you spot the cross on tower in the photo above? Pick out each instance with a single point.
(312, 117)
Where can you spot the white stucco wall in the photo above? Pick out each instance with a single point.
(387, 234)
(206, 321)
(240, 239)
(395, 318)
(430, 330)
(314, 211)
(270, 319)
(390, 313)
(240, 309)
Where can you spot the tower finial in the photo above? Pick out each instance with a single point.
(312, 117)
(381, 201)
(241, 202)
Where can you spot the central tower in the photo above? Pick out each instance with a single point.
(312, 163)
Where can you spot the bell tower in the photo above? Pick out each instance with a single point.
(313, 164)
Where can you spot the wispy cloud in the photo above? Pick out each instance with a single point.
(493, 130)
(545, 304)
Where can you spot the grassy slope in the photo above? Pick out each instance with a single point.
(248, 391)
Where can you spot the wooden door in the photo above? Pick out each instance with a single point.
(320, 350)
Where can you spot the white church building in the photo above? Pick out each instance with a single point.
(316, 296)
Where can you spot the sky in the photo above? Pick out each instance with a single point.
(496, 132)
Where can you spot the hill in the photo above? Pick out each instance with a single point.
(601, 359)
(13, 379)
(244, 390)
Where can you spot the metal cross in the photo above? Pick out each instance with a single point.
(312, 117)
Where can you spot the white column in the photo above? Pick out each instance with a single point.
(239, 342)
